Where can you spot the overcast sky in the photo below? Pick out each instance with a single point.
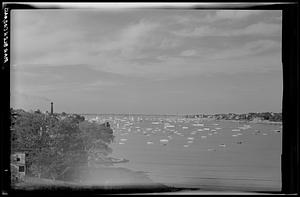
(151, 61)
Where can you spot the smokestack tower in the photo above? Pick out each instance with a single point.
(51, 108)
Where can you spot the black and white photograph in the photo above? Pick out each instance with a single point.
(175, 100)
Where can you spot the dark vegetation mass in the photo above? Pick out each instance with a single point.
(56, 143)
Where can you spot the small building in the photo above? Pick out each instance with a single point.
(17, 167)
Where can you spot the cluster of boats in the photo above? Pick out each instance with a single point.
(168, 128)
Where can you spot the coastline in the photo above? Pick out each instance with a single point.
(246, 121)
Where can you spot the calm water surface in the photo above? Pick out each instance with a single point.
(199, 153)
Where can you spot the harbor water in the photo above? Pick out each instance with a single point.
(199, 153)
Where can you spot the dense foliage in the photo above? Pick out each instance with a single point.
(96, 139)
(55, 143)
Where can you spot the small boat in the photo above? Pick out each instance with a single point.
(198, 125)
(164, 140)
(155, 122)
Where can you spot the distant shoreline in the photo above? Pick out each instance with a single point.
(137, 114)
(202, 119)
(250, 121)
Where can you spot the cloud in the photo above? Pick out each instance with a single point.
(27, 47)
(188, 53)
(208, 16)
(130, 39)
(249, 49)
(256, 29)
(235, 14)
(101, 83)
(140, 46)
(169, 43)
(66, 41)
(267, 29)
(114, 52)
(196, 32)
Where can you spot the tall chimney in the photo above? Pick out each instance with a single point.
(51, 108)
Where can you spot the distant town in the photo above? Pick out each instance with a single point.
(256, 117)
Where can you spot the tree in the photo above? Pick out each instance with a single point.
(29, 132)
(58, 144)
(96, 140)
(38, 111)
(27, 129)
(77, 118)
(55, 144)
(67, 148)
